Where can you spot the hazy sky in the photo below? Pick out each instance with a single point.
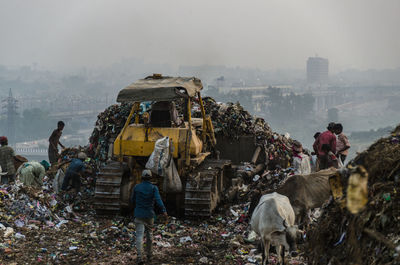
(267, 34)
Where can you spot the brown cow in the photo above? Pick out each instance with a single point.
(305, 192)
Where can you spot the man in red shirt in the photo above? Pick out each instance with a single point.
(323, 145)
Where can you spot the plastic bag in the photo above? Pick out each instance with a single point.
(340, 163)
(174, 183)
(58, 180)
(162, 163)
(159, 159)
(357, 190)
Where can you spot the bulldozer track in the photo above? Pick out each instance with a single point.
(204, 187)
(203, 191)
(108, 189)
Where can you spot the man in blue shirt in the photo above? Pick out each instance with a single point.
(73, 172)
(144, 196)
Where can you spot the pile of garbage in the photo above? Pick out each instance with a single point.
(63, 235)
(230, 120)
(108, 125)
(371, 236)
(25, 210)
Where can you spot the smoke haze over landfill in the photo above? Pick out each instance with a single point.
(64, 35)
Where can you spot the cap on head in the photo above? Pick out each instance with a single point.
(45, 164)
(146, 174)
(3, 140)
(82, 156)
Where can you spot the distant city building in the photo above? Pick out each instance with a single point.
(317, 70)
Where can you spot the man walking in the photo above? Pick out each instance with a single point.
(325, 145)
(7, 156)
(54, 141)
(144, 196)
(342, 144)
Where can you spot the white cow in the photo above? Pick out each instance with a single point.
(273, 220)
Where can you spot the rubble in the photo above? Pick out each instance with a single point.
(65, 233)
(108, 125)
(371, 236)
(65, 228)
(65, 236)
(229, 120)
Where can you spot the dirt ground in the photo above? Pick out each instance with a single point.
(93, 240)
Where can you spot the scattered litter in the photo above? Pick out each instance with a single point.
(185, 239)
(203, 260)
(19, 236)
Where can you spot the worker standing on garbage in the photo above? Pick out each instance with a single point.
(301, 161)
(7, 156)
(73, 173)
(314, 158)
(143, 197)
(325, 147)
(342, 145)
(54, 141)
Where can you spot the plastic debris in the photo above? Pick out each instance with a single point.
(203, 260)
(185, 239)
(9, 232)
(19, 236)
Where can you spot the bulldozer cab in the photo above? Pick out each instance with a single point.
(164, 114)
(143, 129)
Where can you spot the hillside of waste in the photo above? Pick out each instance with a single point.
(371, 236)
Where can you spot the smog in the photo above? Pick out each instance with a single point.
(273, 74)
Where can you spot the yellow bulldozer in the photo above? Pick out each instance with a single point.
(203, 175)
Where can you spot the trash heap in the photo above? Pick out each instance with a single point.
(41, 225)
(371, 236)
(25, 208)
(62, 235)
(230, 120)
(108, 125)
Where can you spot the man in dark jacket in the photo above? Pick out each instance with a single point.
(144, 196)
(75, 168)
